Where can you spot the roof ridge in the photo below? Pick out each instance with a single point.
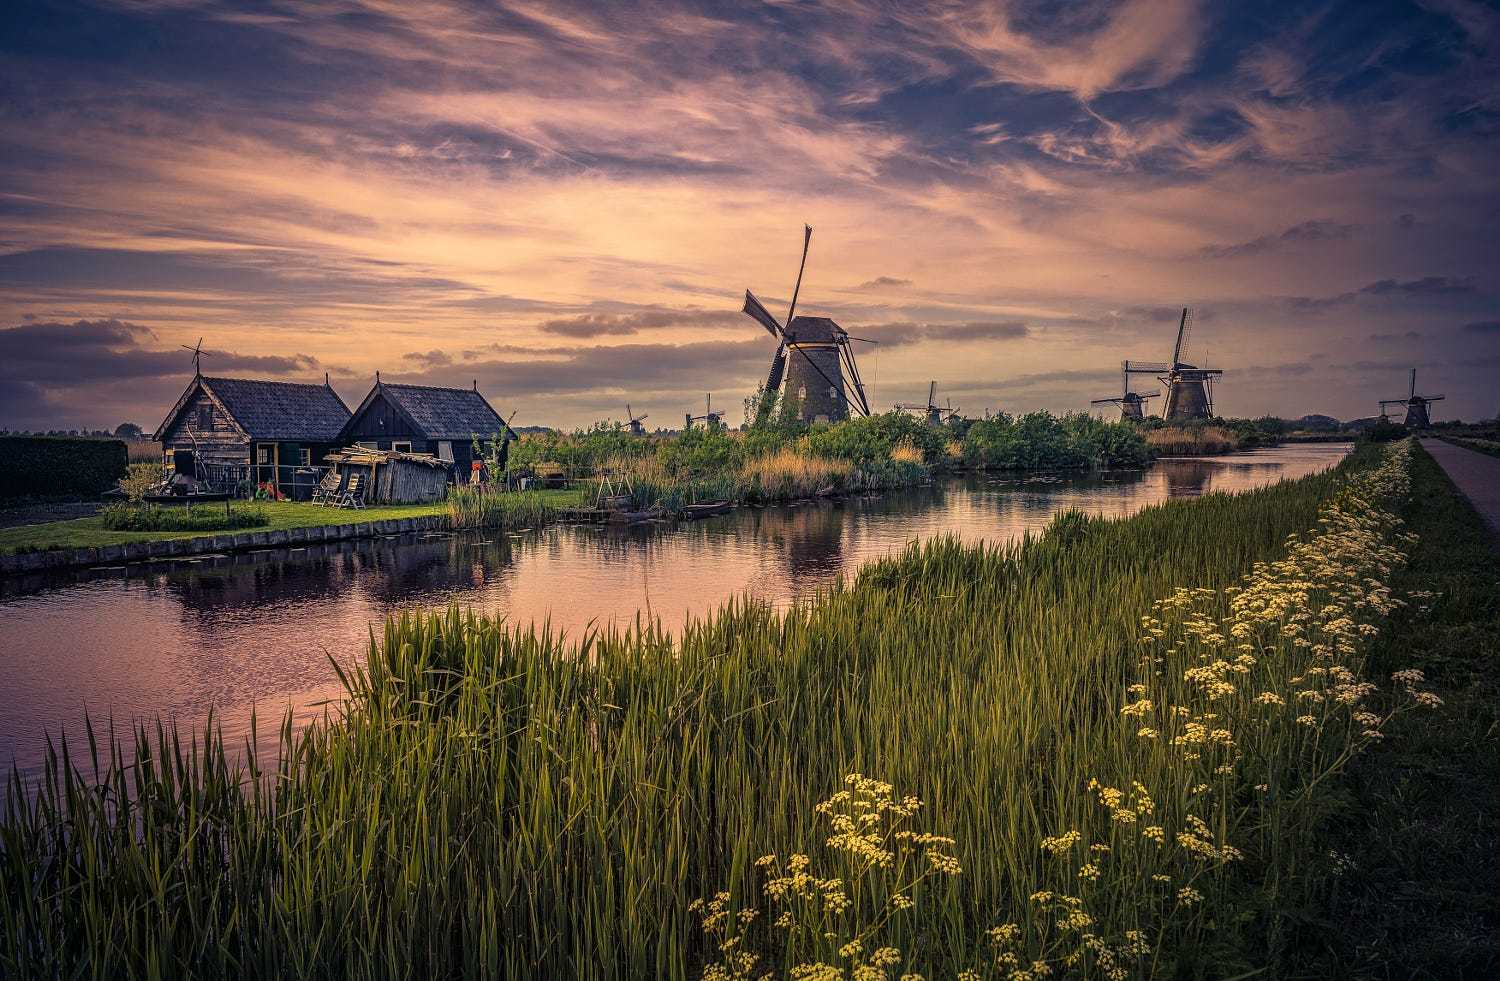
(430, 388)
(261, 381)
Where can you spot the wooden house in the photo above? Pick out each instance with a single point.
(226, 430)
(439, 422)
(392, 477)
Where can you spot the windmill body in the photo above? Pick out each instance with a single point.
(1189, 387)
(813, 363)
(1132, 404)
(636, 429)
(1417, 416)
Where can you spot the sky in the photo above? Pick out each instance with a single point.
(565, 203)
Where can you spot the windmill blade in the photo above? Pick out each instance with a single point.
(1182, 328)
(931, 393)
(763, 316)
(643, 417)
(862, 340)
(1153, 395)
(1413, 384)
(1104, 401)
(778, 369)
(806, 241)
(859, 384)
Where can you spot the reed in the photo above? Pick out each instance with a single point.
(788, 475)
(1190, 441)
(498, 799)
(477, 507)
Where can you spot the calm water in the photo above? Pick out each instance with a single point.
(257, 630)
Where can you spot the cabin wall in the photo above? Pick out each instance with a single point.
(204, 428)
(380, 421)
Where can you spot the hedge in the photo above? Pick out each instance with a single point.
(59, 466)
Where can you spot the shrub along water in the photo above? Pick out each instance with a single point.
(472, 508)
(1081, 748)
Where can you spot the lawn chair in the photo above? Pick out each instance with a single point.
(327, 491)
(354, 494)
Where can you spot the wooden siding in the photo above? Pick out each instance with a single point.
(218, 443)
(381, 422)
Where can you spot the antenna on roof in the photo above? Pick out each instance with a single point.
(197, 350)
(476, 384)
(377, 377)
(325, 380)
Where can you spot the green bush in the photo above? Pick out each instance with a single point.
(871, 438)
(181, 517)
(1042, 441)
(59, 466)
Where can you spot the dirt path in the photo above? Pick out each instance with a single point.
(1476, 474)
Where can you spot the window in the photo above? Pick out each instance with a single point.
(205, 416)
(401, 447)
(263, 455)
(368, 444)
(304, 457)
(445, 450)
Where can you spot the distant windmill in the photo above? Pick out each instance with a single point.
(936, 414)
(1132, 404)
(197, 350)
(1189, 388)
(1416, 405)
(710, 419)
(822, 375)
(636, 429)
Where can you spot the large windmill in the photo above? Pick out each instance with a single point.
(936, 414)
(636, 429)
(1132, 404)
(1190, 393)
(710, 419)
(1416, 405)
(813, 358)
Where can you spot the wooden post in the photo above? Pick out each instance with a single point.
(275, 469)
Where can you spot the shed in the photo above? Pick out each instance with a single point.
(225, 430)
(392, 477)
(440, 422)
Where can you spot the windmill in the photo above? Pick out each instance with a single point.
(197, 350)
(1132, 404)
(636, 429)
(711, 420)
(936, 414)
(813, 358)
(1416, 405)
(1189, 388)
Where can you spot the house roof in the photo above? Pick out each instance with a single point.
(441, 413)
(271, 410)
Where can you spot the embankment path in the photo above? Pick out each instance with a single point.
(1476, 475)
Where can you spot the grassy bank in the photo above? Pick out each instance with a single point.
(1087, 750)
(1490, 447)
(281, 515)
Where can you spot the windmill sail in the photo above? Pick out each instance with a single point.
(778, 368)
(755, 309)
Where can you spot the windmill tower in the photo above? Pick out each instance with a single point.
(936, 414)
(1132, 404)
(813, 358)
(1189, 388)
(636, 429)
(1416, 405)
(711, 420)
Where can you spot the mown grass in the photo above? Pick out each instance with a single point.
(495, 799)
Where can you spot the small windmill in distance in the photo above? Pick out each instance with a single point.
(636, 429)
(1189, 388)
(1132, 404)
(711, 420)
(1416, 405)
(935, 413)
(197, 350)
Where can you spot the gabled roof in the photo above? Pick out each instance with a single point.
(270, 410)
(440, 413)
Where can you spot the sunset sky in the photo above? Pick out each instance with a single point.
(567, 202)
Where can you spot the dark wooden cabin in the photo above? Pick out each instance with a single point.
(440, 422)
(225, 430)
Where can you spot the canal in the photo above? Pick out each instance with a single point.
(257, 631)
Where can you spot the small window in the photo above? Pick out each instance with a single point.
(263, 455)
(401, 447)
(205, 416)
(304, 457)
(368, 444)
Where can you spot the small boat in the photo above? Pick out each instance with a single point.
(703, 510)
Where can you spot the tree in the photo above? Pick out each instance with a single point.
(129, 430)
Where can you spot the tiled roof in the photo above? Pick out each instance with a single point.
(281, 410)
(445, 413)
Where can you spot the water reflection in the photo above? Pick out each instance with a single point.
(258, 629)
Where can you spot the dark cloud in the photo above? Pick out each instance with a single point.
(50, 366)
(897, 333)
(605, 324)
(1316, 230)
(1482, 327)
(1408, 335)
(882, 281)
(1426, 287)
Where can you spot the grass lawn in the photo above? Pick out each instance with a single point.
(88, 532)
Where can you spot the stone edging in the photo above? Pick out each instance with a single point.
(68, 558)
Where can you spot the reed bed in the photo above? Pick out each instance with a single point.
(472, 508)
(788, 475)
(926, 771)
(1190, 441)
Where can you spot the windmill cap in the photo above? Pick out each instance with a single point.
(814, 329)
